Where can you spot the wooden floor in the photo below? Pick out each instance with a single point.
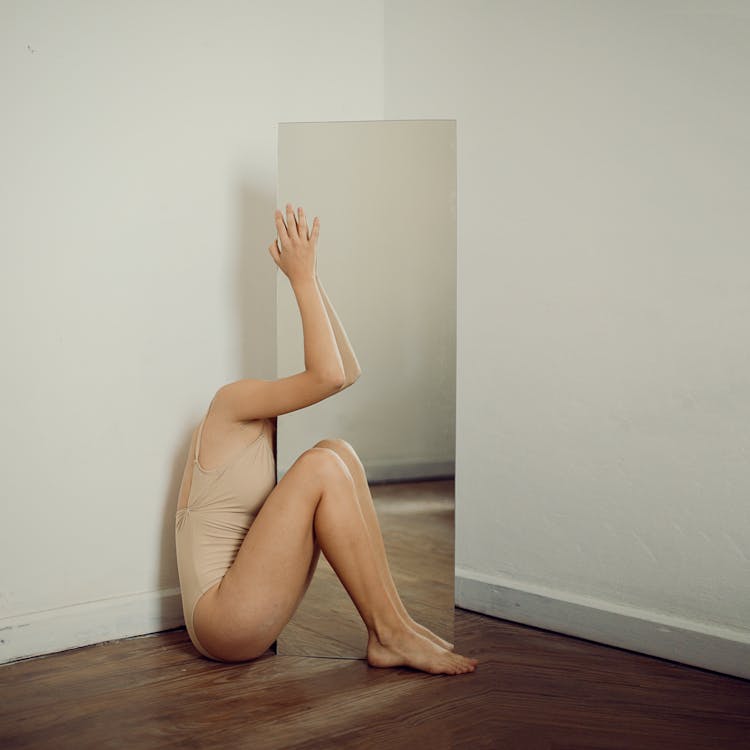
(531, 689)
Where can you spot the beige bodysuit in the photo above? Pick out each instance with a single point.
(220, 509)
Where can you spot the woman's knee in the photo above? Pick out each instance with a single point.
(345, 451)
(326, 464)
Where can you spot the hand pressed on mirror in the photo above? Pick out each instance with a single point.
(298, 254)
(296, 257)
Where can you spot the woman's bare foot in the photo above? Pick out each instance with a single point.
(409, 648)
(427, 633)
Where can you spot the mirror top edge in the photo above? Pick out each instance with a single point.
(365, 122)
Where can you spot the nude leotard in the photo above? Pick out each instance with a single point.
(220, 509)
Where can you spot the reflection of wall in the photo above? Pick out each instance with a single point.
(603, 400)
(138, 187)
(385, 195)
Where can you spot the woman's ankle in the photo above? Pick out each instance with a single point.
(389, 631)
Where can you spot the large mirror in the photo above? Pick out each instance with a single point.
(385, 193)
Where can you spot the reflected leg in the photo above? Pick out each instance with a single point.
(353, 462)
(315, 499)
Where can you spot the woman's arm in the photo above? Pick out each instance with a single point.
(297, 261)
(352, 369)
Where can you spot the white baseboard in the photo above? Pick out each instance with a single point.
(399, 471)
(708, 646)
(63, 628)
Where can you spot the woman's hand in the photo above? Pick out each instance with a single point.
(297, 255)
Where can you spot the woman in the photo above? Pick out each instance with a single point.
(247, 547)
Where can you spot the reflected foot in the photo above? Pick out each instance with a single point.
(408, 648)
(427, 633)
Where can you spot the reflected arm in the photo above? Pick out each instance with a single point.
(352, 369)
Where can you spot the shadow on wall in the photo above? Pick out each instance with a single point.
(253, 296)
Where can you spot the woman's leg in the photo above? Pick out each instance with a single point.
(352, 460)
(315, 500)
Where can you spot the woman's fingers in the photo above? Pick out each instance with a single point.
(302, 224)
(296, 228)
(280, 226)
(291, 222)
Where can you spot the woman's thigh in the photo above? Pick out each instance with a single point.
(274, 565)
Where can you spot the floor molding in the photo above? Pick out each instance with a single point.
(705, 645)
(63, 628)
(400, 471)
(720, 649)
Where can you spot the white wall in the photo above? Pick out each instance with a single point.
(137, 144)
(603, 388)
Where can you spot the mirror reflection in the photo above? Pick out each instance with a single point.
(385, 194)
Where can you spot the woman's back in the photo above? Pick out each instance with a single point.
(217, 507)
